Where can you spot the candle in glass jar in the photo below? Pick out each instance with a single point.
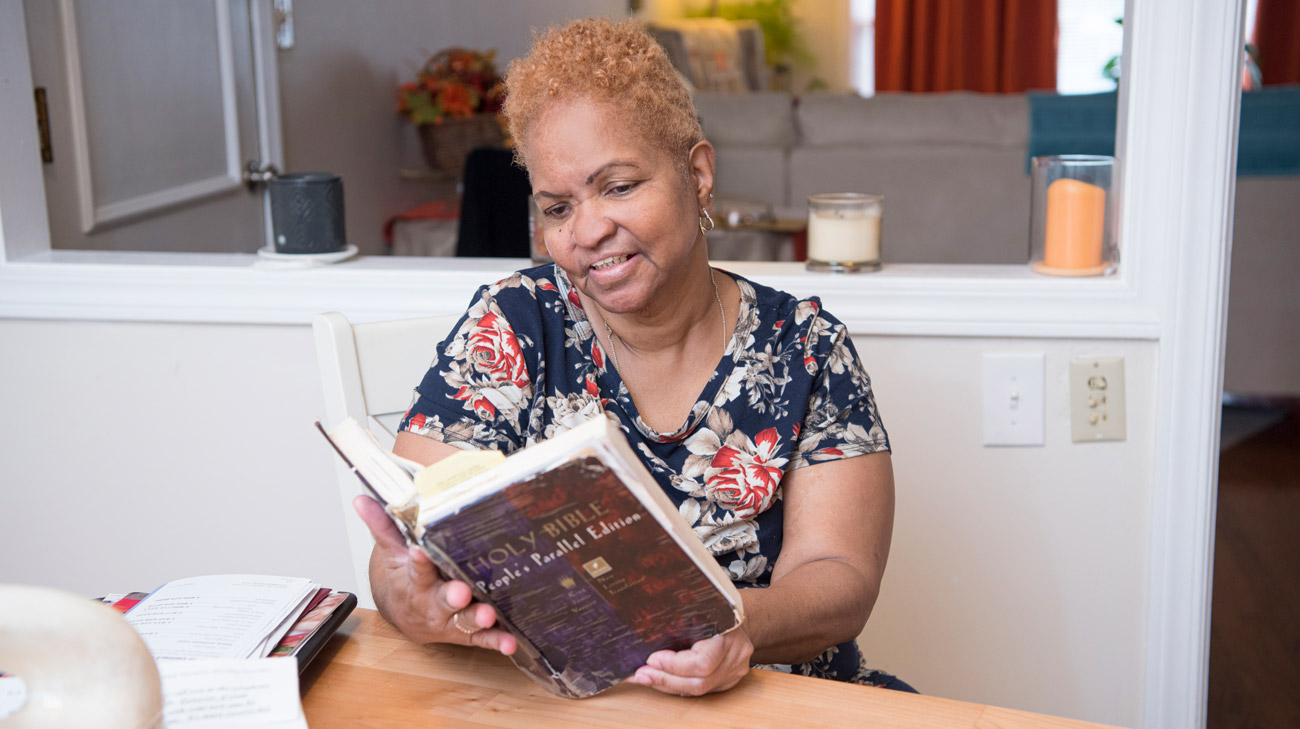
(1076, 212)
(1071, 215)
(844, 232)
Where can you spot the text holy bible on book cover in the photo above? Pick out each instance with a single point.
(585, 558)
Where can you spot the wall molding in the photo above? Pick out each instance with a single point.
(1182, 80)
(96, 216)
(965, 301)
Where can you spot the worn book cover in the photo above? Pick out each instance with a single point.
(575, 562)
(585, 558)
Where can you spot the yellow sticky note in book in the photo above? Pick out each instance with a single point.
(453, 469)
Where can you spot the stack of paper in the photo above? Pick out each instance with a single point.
(220, 616)
(216, 693)
(203, 630)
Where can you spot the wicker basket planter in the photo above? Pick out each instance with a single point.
(446, 145)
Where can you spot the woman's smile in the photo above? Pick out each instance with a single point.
(619, 215)
(611, 269)
(609, 262)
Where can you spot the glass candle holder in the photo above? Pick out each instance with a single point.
(1072, 217)
(844, 232)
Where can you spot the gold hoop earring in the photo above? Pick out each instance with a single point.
(705, 218)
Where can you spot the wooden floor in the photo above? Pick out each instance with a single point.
(1255, 628)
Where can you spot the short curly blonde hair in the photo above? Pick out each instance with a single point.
(611, 64)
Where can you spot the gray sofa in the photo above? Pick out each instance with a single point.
(951, 166)
(952, 169)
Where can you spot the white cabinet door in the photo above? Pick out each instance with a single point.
(153, 116)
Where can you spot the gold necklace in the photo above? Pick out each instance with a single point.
(613, 351)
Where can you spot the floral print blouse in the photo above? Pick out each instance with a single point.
(523, 365)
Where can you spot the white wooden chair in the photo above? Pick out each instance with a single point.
(369, 372)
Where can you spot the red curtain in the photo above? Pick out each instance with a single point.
(993, 46)
(1277, 35)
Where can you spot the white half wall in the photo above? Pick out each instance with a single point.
(133, 454)
(1017, 576)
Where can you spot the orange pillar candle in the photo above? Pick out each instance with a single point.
(1076, 218)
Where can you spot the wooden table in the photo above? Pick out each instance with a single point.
(371, 676)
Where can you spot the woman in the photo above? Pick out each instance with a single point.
(749, 407)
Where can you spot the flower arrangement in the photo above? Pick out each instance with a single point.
(453, 83)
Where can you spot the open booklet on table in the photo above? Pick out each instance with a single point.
(586, 560)
(218, 641)
(236, 616)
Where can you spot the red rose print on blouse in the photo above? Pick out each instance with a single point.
(789, 393)
(479, 402)
(745, 479)
(494, 350)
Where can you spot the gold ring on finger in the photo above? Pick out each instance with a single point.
(455, 620)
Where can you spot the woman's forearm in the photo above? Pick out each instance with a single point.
(812, 607)
(837, 528)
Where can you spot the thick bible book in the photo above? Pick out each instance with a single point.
(585, 558)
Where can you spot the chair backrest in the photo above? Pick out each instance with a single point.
(369, 372)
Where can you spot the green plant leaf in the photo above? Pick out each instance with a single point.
(783, 42)
(1111, 69)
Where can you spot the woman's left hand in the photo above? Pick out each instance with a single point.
(710, 665)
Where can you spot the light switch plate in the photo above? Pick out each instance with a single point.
(1097, 399)
(1013, 399)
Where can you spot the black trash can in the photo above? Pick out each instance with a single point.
(307, 213)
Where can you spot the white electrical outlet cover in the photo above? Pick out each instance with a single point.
(1013, 399)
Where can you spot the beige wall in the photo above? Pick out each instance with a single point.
(826, 30)
(338, 88)
(137, 453)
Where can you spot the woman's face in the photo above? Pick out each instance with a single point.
(618, 215)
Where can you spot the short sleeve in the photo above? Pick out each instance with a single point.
(842, 419)
(477, 392)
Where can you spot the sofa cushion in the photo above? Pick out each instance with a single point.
(752, 173)
(943, 203)
(1263, 348)
(763, 119)
(959, 117)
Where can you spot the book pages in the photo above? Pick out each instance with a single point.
(218, 616)
(218, 693)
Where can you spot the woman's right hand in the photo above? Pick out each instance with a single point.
(412, 595)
